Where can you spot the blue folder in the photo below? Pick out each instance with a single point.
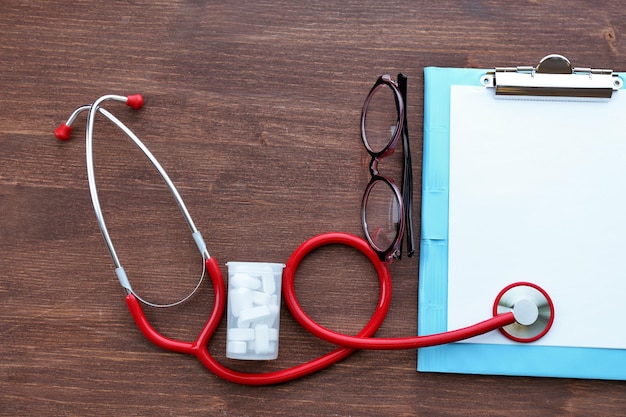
(476, 358)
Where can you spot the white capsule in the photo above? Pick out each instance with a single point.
(269, 283)
(245, 281)
(273, 334)
(260, 298)
(242, 335)
(241, 324)
(272, 319)
(254, 314)
(239, 299)
(236, 347)
(261, 339)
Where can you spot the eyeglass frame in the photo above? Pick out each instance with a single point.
(404, 197)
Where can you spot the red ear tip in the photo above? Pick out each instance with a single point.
(135, 101)
(63, 132)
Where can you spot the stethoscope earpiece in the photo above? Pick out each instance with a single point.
(135, 101)
(64, 131)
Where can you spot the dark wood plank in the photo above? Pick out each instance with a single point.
(253, 108)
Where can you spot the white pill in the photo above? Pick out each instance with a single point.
(260, 298)
(250, 315)
(261, 339)
(272, 318)
(236, 347)
(245, 281)
(241, 324)
(239, 299)
(269, 284)
(273, 335)
(236, 334)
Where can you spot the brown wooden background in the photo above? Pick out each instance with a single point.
(253, 108)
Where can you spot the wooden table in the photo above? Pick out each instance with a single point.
(253, 108)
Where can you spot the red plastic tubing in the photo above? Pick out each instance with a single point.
(347, 344)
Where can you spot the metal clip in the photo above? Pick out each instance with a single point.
(553, 77)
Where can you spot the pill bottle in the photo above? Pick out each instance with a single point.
(253, 313)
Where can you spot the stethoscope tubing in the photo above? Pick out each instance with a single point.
(377, 343)
(199, 348)
(348, 344)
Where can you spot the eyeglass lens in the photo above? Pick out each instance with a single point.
(382, 215)
(381, 118)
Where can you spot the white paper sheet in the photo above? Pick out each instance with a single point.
(538, 194)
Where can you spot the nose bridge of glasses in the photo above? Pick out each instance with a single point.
(376, 158)
(374, 166)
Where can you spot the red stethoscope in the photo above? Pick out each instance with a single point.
(522, 311)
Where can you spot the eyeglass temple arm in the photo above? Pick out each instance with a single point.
(407, 180)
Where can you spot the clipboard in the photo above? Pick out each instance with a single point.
(504, 200)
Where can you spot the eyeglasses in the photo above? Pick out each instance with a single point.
(385, 210)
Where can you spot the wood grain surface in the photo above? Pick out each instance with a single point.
(253, 109)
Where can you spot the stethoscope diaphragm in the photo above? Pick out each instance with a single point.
(533, 310)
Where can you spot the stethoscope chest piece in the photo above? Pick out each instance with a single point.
(533, 310)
